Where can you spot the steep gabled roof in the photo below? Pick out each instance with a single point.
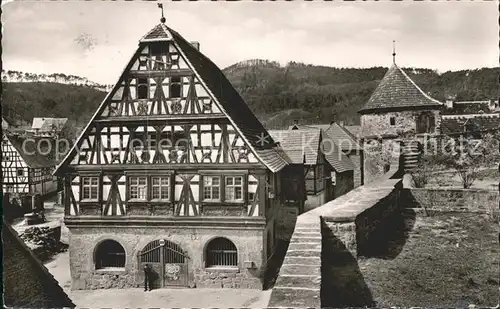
(398, 91)
(35, 151)
(337, 133)
(303, 145)
(27, 283)
(223, 92)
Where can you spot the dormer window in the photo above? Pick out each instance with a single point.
(392, 121)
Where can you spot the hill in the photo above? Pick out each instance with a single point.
(281, 94)
(42, 99)
(60, 78)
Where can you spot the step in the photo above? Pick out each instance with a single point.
(413, 161)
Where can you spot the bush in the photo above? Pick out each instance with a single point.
(424, 172)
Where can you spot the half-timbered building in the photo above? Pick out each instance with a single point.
(27, 165)
(328, 173)
(174, 171)
(337, 134)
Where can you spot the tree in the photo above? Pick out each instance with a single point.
(467, 156)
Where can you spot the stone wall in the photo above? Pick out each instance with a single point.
(250, 243)
(378, 124)
(314, 200)
(358, 161)
(450, 199)
(344, 183)
(27, 282)
(326, 243)
(377, 156)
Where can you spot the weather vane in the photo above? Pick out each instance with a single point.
(160, 5)
(394, 51)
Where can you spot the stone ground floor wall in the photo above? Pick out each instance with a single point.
(451, 199)
(250, 243)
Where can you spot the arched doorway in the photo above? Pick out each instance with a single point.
(168, 262)
(425, 123)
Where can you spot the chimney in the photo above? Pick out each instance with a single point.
(196, 45)
(493, 104)
(449, 103)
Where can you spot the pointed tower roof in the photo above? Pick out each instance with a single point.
(398, 91)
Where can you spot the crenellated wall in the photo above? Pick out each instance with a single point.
(320, 267)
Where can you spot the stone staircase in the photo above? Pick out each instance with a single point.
(411, 155)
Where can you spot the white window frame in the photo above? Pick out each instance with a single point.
(212, 187)
(163, 189)
(134, 181)
(92, 184)
(231, 186)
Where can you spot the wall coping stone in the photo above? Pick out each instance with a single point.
(474, 190)
(293, 288)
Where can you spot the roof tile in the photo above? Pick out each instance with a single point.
(396, 91)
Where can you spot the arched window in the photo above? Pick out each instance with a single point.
(221, 252)
(109, 254)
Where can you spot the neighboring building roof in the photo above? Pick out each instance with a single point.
(35, 152)
(27, 282)
(471, 107)
(48, 124)
(459, 124)
(302, 146)
(398, 91)
(37, 123)
(337, 133)
(224, 94)
(5, 124)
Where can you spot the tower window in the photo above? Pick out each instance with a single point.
(392, 121)
(175, 87)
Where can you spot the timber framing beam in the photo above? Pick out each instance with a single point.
(175, 166)
(160, 119)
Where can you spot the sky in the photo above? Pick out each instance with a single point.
(95, 39)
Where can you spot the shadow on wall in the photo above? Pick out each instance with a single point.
(274, 264)
(389, 238)
(342, 284)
